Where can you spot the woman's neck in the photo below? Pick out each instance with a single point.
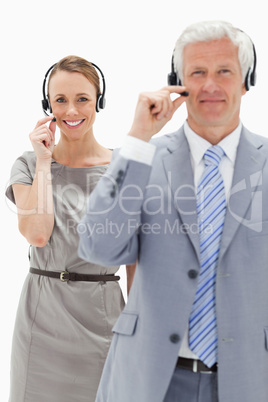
(81, 153)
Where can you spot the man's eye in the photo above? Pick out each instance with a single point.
(198, 72)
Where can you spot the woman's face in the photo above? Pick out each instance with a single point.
(73, 101)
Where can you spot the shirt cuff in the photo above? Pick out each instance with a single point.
(135, 149)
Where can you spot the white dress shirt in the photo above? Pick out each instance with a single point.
(141, 151)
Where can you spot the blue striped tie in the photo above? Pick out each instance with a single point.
(211, 207)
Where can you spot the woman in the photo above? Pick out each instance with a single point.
(63, 325)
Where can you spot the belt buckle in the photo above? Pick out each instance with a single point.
(195, 368)
(63, 277)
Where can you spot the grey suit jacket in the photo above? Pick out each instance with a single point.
(144, 213)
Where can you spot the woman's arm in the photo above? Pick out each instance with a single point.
(35, 202)
(35, 208)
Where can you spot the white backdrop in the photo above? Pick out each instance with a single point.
(132, 42)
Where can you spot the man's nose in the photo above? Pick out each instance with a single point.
(210, 85)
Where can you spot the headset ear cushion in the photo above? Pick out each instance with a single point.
(248, 80)
(46, 105)
(172, 78)
(253, 79)
(100, 104)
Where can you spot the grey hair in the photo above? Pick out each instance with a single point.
(213, 30)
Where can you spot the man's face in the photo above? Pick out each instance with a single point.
(212, 75)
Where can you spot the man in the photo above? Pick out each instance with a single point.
(190, 207)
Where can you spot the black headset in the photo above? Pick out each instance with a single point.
(250, 79)
(101, 101)
(251, 76)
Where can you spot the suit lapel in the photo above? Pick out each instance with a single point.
(177, 165)
(247, 176)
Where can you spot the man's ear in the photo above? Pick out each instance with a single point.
(244, 91)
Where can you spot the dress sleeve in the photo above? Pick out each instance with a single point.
(22, 172)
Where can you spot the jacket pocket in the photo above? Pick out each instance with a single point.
(266, 337)
(126, 324)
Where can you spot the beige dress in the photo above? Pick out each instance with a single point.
(63, 329)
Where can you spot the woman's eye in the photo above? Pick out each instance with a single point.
(82, 99)
(60, 100)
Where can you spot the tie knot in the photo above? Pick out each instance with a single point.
(213, 155)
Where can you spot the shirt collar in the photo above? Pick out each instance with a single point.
(198, 145)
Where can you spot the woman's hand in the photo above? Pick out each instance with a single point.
(43, 138)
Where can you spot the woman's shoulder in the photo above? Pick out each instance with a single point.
(25, 162)
(22, 172)
(28, 156)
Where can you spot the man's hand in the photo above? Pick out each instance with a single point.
(154, 110)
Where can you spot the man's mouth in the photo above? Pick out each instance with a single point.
(211, 100)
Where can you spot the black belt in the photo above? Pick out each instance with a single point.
(195, 365)
(66, 276)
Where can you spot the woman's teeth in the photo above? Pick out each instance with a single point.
(73, 123)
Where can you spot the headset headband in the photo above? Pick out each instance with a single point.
(101, 101)
(250, 79)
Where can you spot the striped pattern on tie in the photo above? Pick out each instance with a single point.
(211, 207)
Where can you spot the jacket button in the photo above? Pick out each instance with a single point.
(113, 192)
(120, 173)
(174, 338)
(192, 273)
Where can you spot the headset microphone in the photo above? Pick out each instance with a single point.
(100, 103)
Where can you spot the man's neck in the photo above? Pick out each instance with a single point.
(213, 133)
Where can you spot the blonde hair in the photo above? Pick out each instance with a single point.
(75, 64)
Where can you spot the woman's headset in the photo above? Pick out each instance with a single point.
(101, 101)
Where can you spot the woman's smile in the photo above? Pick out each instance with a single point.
(74, 123)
